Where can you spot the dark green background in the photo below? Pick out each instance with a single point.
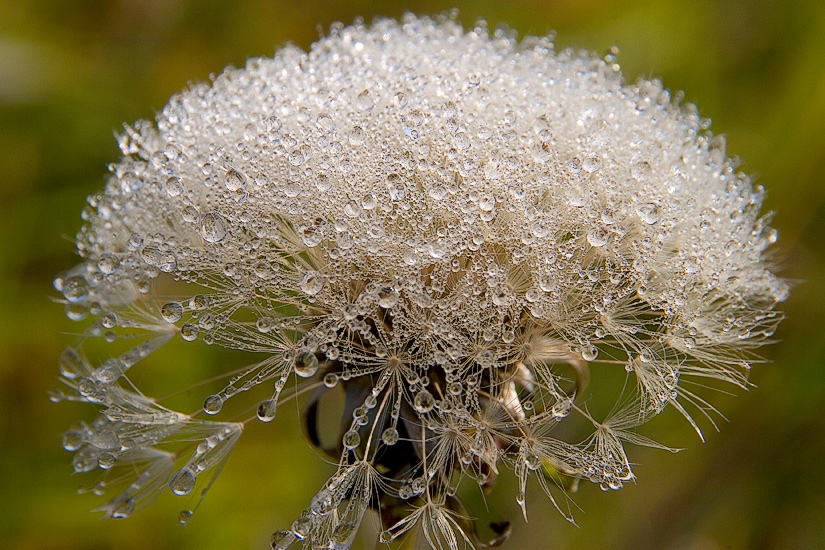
(71, 72)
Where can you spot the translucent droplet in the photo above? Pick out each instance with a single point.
(390, 436)
(171, 312)
(590, 352)
(213, 227)
(330, 380)
(311, 283)
(182, 482)
(75, 288)
(306, 364)
(106, 461)
(72, 440)
(108, 263)
(591, 164)
(235, 180)
(424, 402)
(189, 332)
(387, 297)
(184, 517)
(357, 136)
(190, 214)
(212, 404)
(547, 283)
(263, 324)
(641, 171)
(351, 439)
(301, 527)
(267, 409)
(311, 236)
(597, 237)
(173, 187)
(649, 213)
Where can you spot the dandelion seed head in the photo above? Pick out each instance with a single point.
(451, 225)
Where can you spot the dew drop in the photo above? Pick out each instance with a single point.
(212, 404)
(306, 364)
(597, 237)
(311, 283)
(184, 517)
(387, 297)
(171, 312)
(267, 409)
(108, 263)
(351, 439)
(301, 527)
(213, 227)
(330, 380)
(75, 288)
(649, 213)
(590, 352)
(390, 436)
(189, 332)
(182, 482)
(424, 402)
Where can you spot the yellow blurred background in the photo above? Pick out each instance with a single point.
(72, 71)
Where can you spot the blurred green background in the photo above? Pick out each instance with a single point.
(72, 71)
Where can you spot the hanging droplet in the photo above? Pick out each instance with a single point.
(351, 439)
(266, 410)
(184, 516)
(108, 263)
(424, 402)
(212, 404)
(306, 364)
(390, 436)
(75, 289)
(182, 482)
(171, 312)
(189, 332)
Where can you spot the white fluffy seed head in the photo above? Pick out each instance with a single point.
(450, 208)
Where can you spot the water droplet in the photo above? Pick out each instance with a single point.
(301, 527)
(182, 482)
(108, 263)
(173, 187)
(106, 461)
(306, 364)
(649, 213)
(390, 436)
(267, 409)
(72, 440)
(387, 297)
(171, 312)
(212, 404)
(75, 288)
(357, 136)
(641, 171)
(184, 517)
(590, 352)
(591, 164)
(351, 439)
(597, 237)
(311, 235)
(189, 332)
(213, 227)
(234, 180)
(311, 283)
(424, 402)
(330, 380)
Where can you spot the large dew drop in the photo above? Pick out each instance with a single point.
(182, 482)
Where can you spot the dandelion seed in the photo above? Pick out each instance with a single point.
(451, 238)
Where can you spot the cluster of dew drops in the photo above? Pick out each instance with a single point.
(450, 226)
